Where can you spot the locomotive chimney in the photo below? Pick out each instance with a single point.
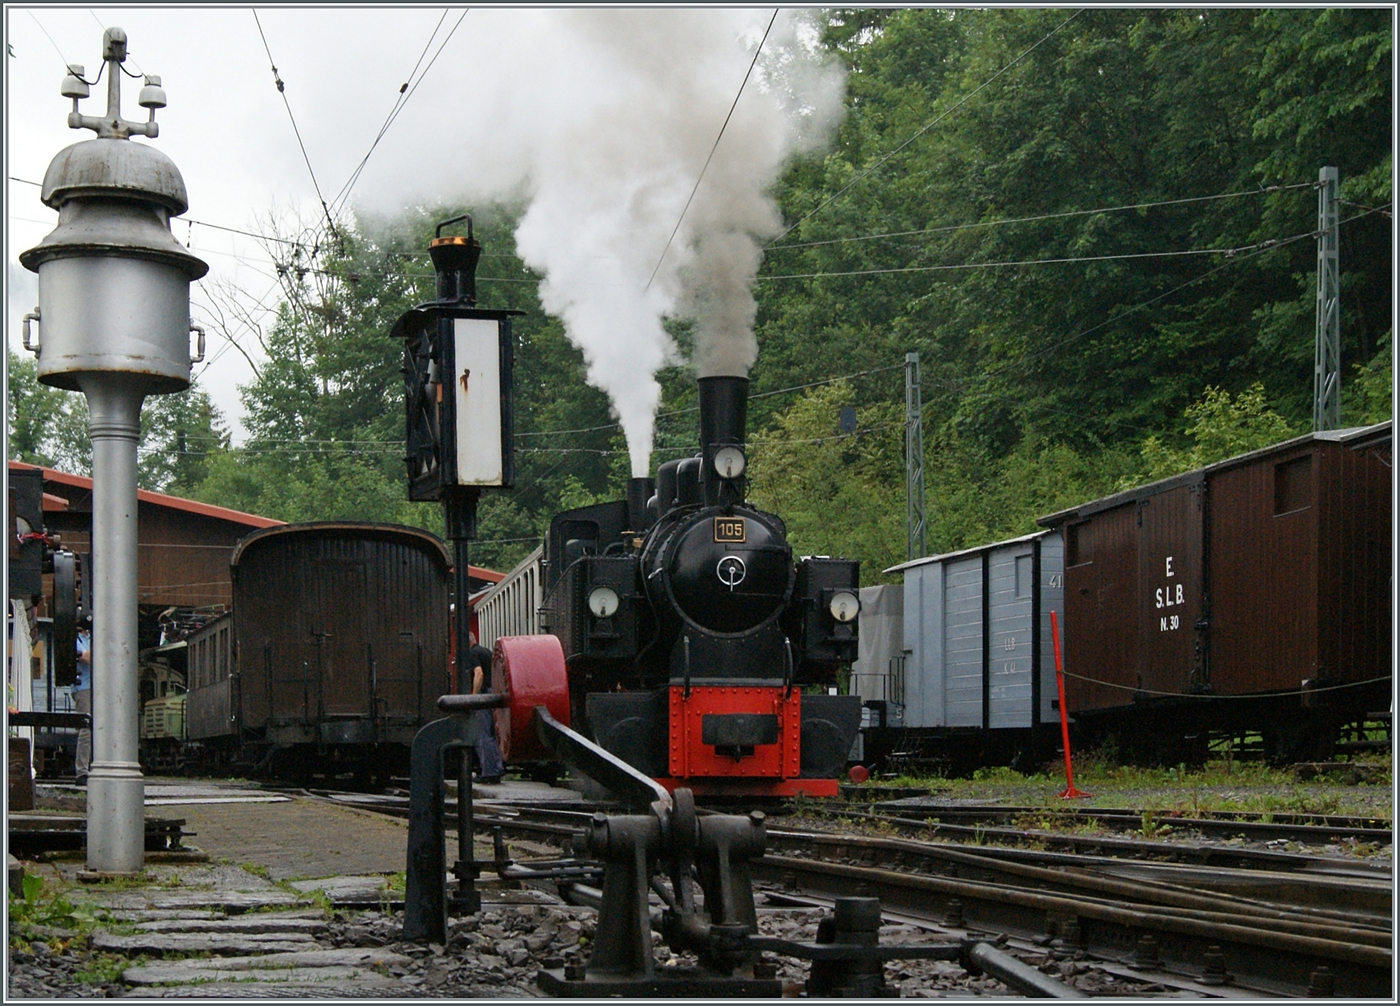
(454, 260)
(639, 490)
(723, 407)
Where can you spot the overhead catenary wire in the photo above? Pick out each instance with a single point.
(56, 49)
(1055, 347)
(949, 228)
(1383, 209)
(399, 105)
(699, 178)
(958, 266)
(282, 90)
(398, 100)
(385, 448)
(190, 220)
(924, 129)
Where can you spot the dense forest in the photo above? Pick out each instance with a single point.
(1095, 227)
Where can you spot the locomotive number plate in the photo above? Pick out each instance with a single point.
(730, 529)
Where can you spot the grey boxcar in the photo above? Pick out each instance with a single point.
(977, 682)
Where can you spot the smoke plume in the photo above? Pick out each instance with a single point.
(601, 120)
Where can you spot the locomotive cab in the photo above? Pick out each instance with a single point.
(689, 631)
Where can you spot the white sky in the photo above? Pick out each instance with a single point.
(226, 126)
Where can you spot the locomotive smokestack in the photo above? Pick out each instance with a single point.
(723, 410)
(454, 260)
(639, 490)
(723, 407)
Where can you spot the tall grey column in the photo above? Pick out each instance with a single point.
(116, 789)
(114, 323)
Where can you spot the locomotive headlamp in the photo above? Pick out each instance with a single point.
(603, 602)
(729, 462)
(844, 606)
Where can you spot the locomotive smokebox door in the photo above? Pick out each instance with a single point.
(457, 368)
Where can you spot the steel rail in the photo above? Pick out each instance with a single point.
(899, 854)
(775, 900)
(1265, 957)
(1307, 829)
(1271, 960)
(1345, 895)
(1018, 975)
(1194, 852)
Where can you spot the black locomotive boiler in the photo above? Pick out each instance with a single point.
(689, 638)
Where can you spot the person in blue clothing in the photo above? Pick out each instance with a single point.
(488, 752)
(82, 703)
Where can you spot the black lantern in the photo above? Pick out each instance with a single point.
(457, 380)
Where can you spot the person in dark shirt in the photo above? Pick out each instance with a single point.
(488, 752)
(478, 662)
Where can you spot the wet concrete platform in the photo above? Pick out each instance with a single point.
(288, 834)
(244, 908)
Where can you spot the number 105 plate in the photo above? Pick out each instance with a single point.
(730, 529)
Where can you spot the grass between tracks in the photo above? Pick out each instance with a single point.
(1218, 785)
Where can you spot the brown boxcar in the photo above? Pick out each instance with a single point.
(1235, 595)
(339, 648)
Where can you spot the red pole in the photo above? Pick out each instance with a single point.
(1070, 792)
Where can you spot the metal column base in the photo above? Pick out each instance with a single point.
(684, 983)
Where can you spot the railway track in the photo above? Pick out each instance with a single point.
(1121, 849)
(1185, 916)
(1018, 825)
(1307, 829)
(1333, 893)
(1093, 843)
(1274, 933)
(1280, 955)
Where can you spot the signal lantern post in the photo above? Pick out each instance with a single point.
(458, 361)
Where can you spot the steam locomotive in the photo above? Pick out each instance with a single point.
(693, 644)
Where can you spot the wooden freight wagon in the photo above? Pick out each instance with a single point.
(1248, 595)
(334, 655)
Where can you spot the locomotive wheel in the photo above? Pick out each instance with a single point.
(530, 672)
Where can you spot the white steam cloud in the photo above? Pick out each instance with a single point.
(601, 120)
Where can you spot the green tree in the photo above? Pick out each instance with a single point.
(839, 493)
(1101, 108)
(34, 413)
(1369, 396)
(1217, 427)
(179, 435)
